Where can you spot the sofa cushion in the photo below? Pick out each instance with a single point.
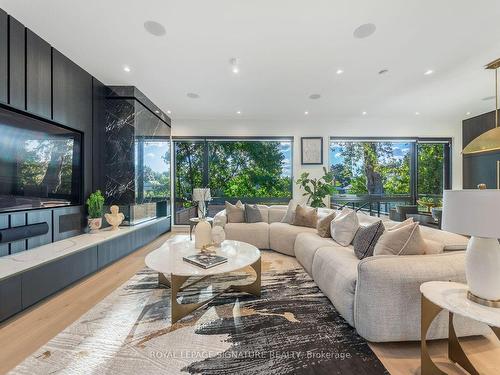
(344, 227)
(305, 248)
(235, 212)
(252, 214)
(282, 237)
(290, 212)
(406, 240)
(276, 213)
(366, 238)
(256, 234)
(323, 225)
(450, 241)
(335, 269)
(306, 216)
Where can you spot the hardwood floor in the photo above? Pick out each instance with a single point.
(25, 333)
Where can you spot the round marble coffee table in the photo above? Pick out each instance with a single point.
(168, 262)
(451, 296)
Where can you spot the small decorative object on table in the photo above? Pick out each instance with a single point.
(202, 195)
(476, 213)
(205, 261)
(115, 218)
(95, 203)
(218, 235)
(202, 234)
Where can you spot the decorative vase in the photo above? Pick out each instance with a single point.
(115, 218)
(218, 235)
(94, 224)
(202, 234)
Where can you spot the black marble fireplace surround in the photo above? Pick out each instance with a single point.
(38, 80)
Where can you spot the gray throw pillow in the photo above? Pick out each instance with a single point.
(290, 212)
(252, 214)
(366, 238)
(235, 213)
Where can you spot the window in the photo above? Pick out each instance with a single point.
(254, 170)
(387, 172)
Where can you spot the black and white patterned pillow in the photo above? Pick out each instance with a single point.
(366, 238)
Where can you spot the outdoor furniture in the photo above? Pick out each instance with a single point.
(400, 213)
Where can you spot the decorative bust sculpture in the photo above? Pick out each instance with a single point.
(115, 218)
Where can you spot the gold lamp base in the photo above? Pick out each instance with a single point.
(482, 301)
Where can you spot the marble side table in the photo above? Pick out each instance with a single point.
(451, 296)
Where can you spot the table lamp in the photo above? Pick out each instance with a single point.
(201, 195)
(476, 213)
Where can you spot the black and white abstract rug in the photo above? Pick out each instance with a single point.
(292, 329)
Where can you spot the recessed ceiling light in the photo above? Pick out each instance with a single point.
(364, 31)
(306, 113)
(238, 112)
(157, 111)
(236, 70)
(192, 95)
(314, 96)
(126, 68)
(234, 62)
(417, 113)
(489, 97)
(467, 113)
(169, 112)
(340, 71)
(155, 28)
(383, 71)
(428, 72)
(364, 113)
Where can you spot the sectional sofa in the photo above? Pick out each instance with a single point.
(379, 295)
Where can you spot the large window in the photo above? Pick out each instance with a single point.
(387, 172)
(254, 170)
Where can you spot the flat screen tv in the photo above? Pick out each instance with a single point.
(40, 163)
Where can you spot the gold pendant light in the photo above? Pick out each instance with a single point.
(489, 141)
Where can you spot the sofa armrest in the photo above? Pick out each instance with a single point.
(387, 301)
(220, 219)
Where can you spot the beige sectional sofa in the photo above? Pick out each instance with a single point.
(379, 295)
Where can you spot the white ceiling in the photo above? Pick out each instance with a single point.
(288, 49)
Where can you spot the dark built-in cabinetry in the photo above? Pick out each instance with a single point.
(480, 168)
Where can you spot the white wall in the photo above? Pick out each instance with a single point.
(309, 127)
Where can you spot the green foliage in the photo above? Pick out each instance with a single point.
(95, 203)
(317, 189)
(430, 171)
(237, 169)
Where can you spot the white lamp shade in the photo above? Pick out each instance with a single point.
(472, 212)
(201, 194)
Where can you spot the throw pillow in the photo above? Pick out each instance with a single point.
(401, 224)
(344, 227)
(323, 226)
(406, 240)
(305, 217)
(433, 247)
(366, 238)
(290, 212)
(235, 212)
(252, 214)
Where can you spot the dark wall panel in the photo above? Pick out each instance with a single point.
(480, 169)
(40, 216)
(4, 73)
(38, 75)
(52, 277)
(10, 297)
(475, 126)
(17, 219)
(17, 64)
(100, 91)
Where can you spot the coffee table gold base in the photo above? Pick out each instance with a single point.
(180, 310)
(455, 352)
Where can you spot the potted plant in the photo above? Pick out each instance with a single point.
(95, 203)
(437, 210)
(316, 189)
(426, 202)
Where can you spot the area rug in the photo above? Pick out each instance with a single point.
(292, 329)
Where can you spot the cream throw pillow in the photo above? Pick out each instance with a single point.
(406, 240)
(235, 213)
(344, 227)
(401, 224)
(290, 212)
